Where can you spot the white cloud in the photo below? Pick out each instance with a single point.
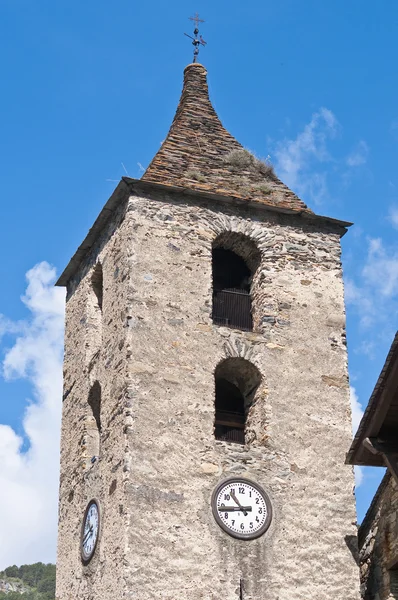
(363, 298)
(381, 269)
(393, 216)
(374, 292)
(295, 159)
(7, 326)
(356, 416)
(359, 475)
(29, 480)
(359, 155)
(356, 410)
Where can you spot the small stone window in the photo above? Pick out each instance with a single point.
(93, 424)
(94, 312)
(393, 572)
(236, 381)
(97, 283)
(235, 259)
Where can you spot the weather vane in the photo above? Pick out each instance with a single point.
(197, 40)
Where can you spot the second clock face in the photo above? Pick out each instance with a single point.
(90, 530)
(241, 508)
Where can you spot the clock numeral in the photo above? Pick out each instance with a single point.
(250, 494)
(258, 520)
(233, 521)
(241, 490)
(226, 515)
(260, 511)
(227, 497)
(242, 526)
(257, 500)
(251, 525)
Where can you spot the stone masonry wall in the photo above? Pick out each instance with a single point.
(95, 351)
(299, 424)
(159, 461)
(378, 538)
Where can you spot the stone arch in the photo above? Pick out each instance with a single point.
(242, 245)
(235, 260)
(236, 382)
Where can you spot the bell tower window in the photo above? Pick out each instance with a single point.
(94, 311)
(236, 382)
(393, 572)
(230, 412)
(235, 259)
(93, 423)
(97, 285)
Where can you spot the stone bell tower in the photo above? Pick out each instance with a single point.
(206, 384)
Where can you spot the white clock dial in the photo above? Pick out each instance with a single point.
(241, 508)
(90, 531)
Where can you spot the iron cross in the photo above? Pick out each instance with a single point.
(196, 41)
(196, 19)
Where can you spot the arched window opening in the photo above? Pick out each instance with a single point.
(93, 427)
(230, 412)
(97, 283)
(235, 259)
(94, 312)
(236, 382)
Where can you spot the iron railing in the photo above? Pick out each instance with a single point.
(230, 427)
(229, 434)
(232, 308)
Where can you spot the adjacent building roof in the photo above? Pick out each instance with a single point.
(380, 420)
(199, 153)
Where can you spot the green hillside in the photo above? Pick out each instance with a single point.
(28, 582)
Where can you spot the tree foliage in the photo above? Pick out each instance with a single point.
(38, 578)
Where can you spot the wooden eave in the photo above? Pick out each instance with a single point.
(129, 186)
(379, 424)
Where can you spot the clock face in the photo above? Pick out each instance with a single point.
(241, 508)
(90, 531)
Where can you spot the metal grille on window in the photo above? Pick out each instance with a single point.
(230, 434)
(232, 308)
(394, 581)
(229, 424)
(231, 290)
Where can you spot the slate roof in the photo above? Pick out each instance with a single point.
(199, 153)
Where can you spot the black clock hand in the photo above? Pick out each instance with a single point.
(88, 534)
(234, 498)
(235, 508)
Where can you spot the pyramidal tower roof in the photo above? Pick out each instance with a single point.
(199, 154)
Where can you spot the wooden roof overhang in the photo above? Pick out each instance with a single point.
(376, 442)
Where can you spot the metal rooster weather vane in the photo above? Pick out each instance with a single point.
(197, 40)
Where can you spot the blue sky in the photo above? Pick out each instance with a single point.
(90, 90)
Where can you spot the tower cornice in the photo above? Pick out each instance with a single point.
(129, 186)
